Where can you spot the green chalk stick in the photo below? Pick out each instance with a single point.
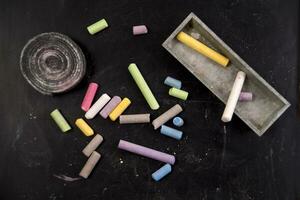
(60, 120)
(142, 85)
(98, 26)
(181, 94)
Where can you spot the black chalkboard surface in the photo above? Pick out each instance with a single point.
(214, 160)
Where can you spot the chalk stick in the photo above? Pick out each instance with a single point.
(92, 145)
(90, 164)
(171, 132)
(246, 96)
(166, 116)
(119, 109)
(162, 172)
(147, 152)
(234, 96)
(98, 26)
(202, 48)
(139, 30)
(110, 106)
(143, 86)
(97, 106)
(180, 94)
(60, 120)
(84, 127)
(172, 82)
(178, 121)
(134, 118)
(89, 96)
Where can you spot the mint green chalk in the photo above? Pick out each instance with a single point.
(142, 85)
(98, 26)
(181, 94)
(60, 120)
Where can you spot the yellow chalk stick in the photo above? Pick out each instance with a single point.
(119, 109)
(202, 48)
(84, 127)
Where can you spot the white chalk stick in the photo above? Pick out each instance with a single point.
(98, 105)
(93, 145)
(90, 164)
(234, 96)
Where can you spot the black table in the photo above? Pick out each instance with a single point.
(214, 160)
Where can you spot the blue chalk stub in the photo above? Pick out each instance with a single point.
(162, 172)
(178, 121)
(172, 82)
(171, 132)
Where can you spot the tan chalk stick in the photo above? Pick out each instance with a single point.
(93, 145)
(134, 118)
(90, 164)
(234, 96)
(166, 116)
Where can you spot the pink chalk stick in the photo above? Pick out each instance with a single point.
(89, 96)
(138, 30)
(147, 152)
(112, 104)
(245, 96)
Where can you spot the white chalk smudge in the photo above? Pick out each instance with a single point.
(66, 178)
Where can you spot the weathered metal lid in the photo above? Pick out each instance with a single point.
(52, 63)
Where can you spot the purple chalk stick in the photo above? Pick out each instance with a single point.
(147, 152)
(245, 96)
(138, 30)
(110, 106)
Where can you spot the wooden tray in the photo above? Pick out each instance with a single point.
(258, 114)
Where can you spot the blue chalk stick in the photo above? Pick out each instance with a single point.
(178, 121)
(172, 82)
(171, 132)
(162, 172)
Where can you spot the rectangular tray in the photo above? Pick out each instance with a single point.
(258, 114)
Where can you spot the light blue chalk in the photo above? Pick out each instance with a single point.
(178, 121)
(172, 82)
(162, 172)
(171, 132)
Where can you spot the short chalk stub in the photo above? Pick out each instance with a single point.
(181, 94)
(123, 105)
(178, 121)
(92, 145)
(98, 105)
(98, 26)
(171, 132)
(139, 30)
(110, 106)
(134, 118)
(172, 82)
(246, 96)
(166, 116)
(60, 120)
(89, 96)
(89, 165)
(84, 127)
(162, 172)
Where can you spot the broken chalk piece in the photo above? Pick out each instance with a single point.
(139, 30)
(181, 94)
(166, 116)
(202, 48)
(110, 106)
(147, 152)
(92, 145)
(195, 35)
(143, 86)
(98, 26)
(162, 172)
(178, 121)
(84, 127)
(89, 96)
(246, 96)
(234, 96)
(134, 118)
(172, 82)
(90, 164)
(98, 105)
(171, 132)
(60, 120)
(119, 109)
